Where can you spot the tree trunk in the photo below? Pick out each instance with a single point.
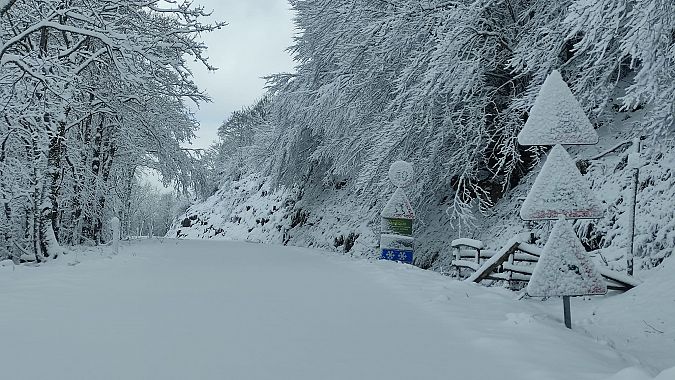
(49, 213)
(127, 201)
(6, 226)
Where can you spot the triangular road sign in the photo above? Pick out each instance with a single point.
(560, 190)
(564, 268)
(398, 206)
(557, 117)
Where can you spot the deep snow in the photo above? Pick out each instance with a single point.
(168, 309)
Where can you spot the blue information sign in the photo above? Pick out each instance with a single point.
(402, 255)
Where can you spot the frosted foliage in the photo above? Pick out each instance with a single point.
(564, 268)
(556, 117)
(401, 173)
(398, 206)
(560, 190)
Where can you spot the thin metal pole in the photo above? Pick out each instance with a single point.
(567, 312)
(631, 215)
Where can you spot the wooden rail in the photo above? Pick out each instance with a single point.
(501, 265)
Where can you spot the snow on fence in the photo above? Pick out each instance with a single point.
(507, 264)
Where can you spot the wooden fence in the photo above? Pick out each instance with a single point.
(514, 263)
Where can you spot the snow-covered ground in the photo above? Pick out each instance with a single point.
(181, 309)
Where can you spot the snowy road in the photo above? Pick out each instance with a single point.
(225, 310)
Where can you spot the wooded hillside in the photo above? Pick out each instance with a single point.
(447, 85)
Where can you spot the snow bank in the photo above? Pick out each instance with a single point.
(633, 373)
(630, 373)
(640, 322)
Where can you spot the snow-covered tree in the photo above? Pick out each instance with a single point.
(90, 91)
(237, 136)
(449, 84)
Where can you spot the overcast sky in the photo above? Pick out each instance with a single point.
(251, 46)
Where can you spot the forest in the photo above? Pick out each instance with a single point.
(92, 92)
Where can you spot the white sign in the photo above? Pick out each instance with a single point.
(557, 117)
(401, 173)
(560, 190)
(398, 206)
(564, 268)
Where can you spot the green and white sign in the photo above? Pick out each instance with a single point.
(397, 226)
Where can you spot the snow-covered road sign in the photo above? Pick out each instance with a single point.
(396, 241)
(398, 206)
(560, 190)
(397, 247)
(404, 256)
(401, 173)
(564, 268)
(557, 117)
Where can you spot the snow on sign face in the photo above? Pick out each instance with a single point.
(557, 117)
(560, 190)
(564, 268)
(401, 173)
(388, 241)
(398, 206)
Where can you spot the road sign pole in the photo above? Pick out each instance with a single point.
(567, 312)
(633, 204)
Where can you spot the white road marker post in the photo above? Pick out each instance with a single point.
(115, 225)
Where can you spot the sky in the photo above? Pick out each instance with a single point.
(251, 46)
